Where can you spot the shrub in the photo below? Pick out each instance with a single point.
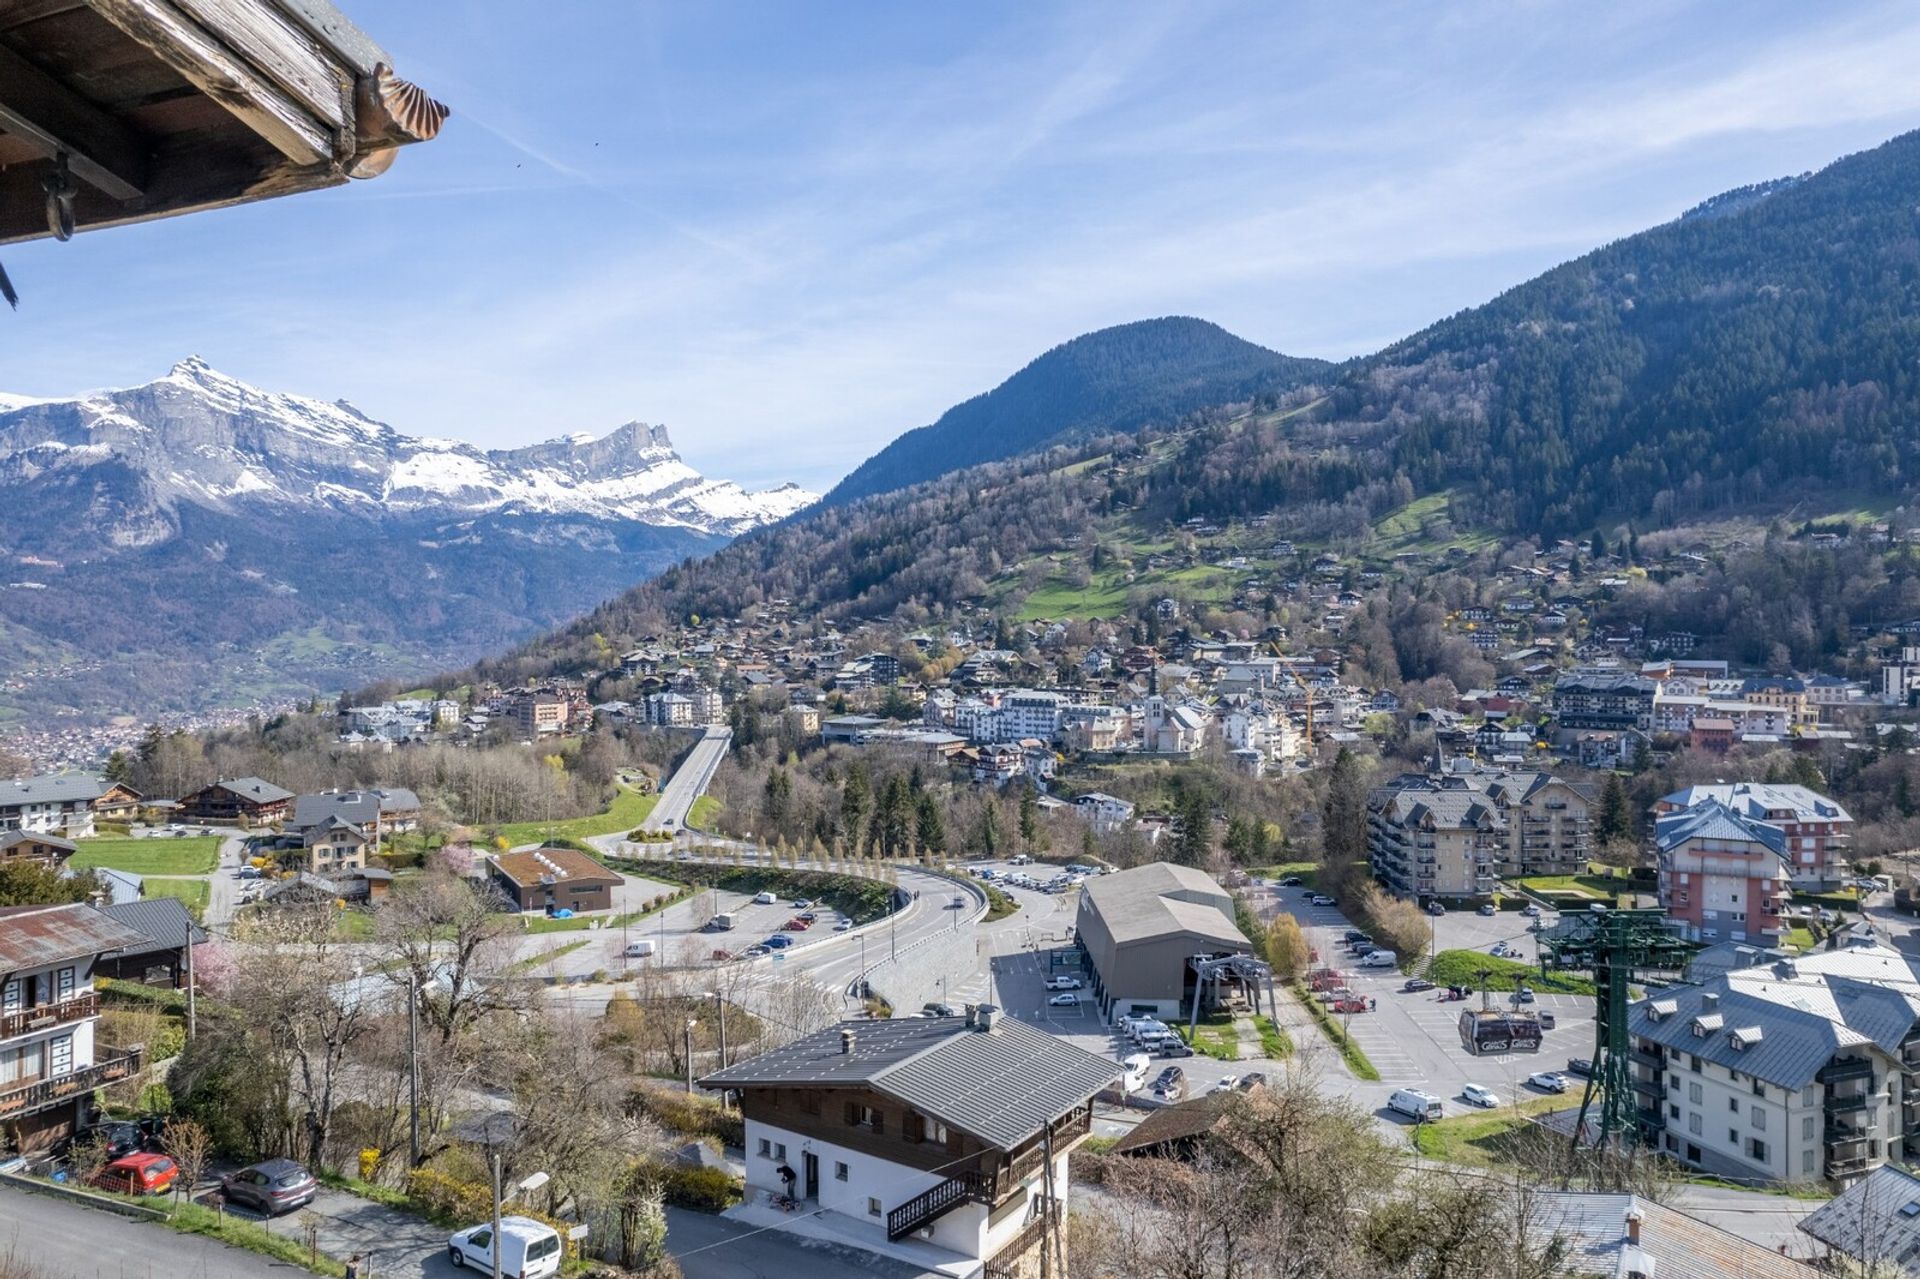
(689, 1115)
(702, 1189)
(448, 1198)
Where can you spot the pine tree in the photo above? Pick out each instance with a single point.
(1029, 819)
(1616, 812)
(1195, 840)
(856, 803)
(1345, 817)
(929, 829)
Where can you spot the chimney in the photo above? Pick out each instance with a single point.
(1709, 1001)
(846, 1043)
(986, 1017)
(1633, 1226)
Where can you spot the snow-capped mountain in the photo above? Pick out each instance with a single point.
(200, 542)
(199, 436)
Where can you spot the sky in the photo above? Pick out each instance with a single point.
(791, 231)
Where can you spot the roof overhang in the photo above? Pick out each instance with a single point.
(140, 109)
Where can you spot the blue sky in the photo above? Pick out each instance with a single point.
(791, 231)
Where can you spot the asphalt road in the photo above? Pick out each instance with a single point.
(689, 781)
(65, 1241)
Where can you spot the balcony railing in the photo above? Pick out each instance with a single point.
(27, 1020)
(1005, 1264)
(1845, 1068)
(25, 1099)
(1848, 1166)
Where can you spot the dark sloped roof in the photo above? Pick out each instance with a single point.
(255, 789)
(162, 922)
(55, 788)
(34, 936)
(1181, 1122)
(1002, 1086)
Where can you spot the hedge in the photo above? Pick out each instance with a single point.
(702, 1189)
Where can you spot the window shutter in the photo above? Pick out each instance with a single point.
(852, 1113)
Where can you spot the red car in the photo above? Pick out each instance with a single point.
(141, 1174)
(799, 924)
(1355, 1005)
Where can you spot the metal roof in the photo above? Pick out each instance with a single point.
(1159, 900)
(1876, 1219)
(255, 789)
(162, 922)
(1758, 799)
(356, 808)
(36, 936)
(1713, 819)
(1002, 1085)
(55, 788)
(1672, 1244)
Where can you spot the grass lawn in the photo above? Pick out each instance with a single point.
(999, 904)
(194, 892)
(630, 808)
(1801, 937)
(540, 960)
(1212, 1038)
(241, 1232)
(1462, 968)
(196, 855)
(1841, 899)
(1476, 1139)
(1350, 1052)
(1275, 1042)
(354, 925)
(704, 810)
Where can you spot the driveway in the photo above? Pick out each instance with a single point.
(62, 1240)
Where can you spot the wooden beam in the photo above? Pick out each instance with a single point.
(17, 13)
(55, 120)
(283, 53)
(183, 181)
(224, 76)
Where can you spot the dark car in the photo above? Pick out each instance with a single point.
(1353, 935)
(1580, 1066)
(272, 1186)
(1251, 1081)
(1291, 881)
(122, 1137)
(1416, 984)
(1173, 1048)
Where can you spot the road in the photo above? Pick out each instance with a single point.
(689, 781)
(62, 1240)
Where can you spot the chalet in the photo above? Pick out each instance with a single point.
(118, 803)
(160, 957)
(49, 1066)
(955, 1131)
(550, 879)
(47, 850)
(244, 800)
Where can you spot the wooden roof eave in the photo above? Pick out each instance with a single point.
(315, 101)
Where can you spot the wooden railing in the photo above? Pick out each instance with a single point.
(24, 1099)
(932, 1204)
(27, 1020)
(1005, 1264)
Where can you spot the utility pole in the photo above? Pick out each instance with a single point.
(413, 1069)
(720, 1013)
(494, 1248)
(691, 1023)
(192, 1011)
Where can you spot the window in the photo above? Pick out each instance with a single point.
(839, 1171)
(780, 1151)
(1733, 1104)
(864, 1116)
(1757, 1150)
(1806, 1128)
(1760, 1118)
(1693, 1092)
(1806, 1162)
(1759, 1089)
(1673, 1111)
(1733, 1138)
(873, 1207)
(1673, 1081)
(933, 1130)
(1693, 1126)
(1696, 1063)
(766, 1148)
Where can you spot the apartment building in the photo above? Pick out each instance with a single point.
(1723, 875)
(1819, 833)
(1804, 1069)
(49, 1065)
(58, 804)
(1453, 835)
(1603, 699)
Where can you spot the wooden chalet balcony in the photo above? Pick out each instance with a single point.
(26, 1098)
(27, 1020)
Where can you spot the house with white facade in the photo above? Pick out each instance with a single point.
(49, 1066)
(57, 804)
(1102, 811)
(952, 1132)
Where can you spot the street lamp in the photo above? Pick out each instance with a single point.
(720, 1016)
(525, 1186)
(691, 1023)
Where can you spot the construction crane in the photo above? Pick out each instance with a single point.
(1304, 688)
(1618, 947)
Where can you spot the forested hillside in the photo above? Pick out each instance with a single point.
(1151, 372)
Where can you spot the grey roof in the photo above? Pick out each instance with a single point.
(55, 788)
(1876, 1219)
(1160, 899)
(355, 808)
(162, 922)
(1672, 1244)
(255, 789)
(34, 936)
(1807, 1010)
(13, 837)
(1757, 799)
(1712, 819)
(1002, 1086)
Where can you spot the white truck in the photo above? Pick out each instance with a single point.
(721, 923)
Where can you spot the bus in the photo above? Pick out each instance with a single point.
(1488, 1031)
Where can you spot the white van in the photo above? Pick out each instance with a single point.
(764, 899)
(1416, 1105)
(1379, 959)
(527, 1248)
(639, 949)
(1135, 1067)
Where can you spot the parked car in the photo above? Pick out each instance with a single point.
(1475, 1095)
(1173, 1047)
(801, 903)
(1547, 1081)
(1291, 881)
(1226, 1083)
(1598, 908)
(937, 1010)
(1353, 935)
(1486, 909)
(1435, 908)
(751, 952)
(247, 872)
(778, 941)
(141, 1173)
(1066, 999)
(809, 916)
(721, 954)
(1171, 1085)
(1379, 959)
(528, 1248)
(121, 1137)
(1579, 1066)
(1251, 1080)
(1498, 950)
(764, 899)
(1531, 910)
(1524, 995)
(1416, 984)
(842, 925)
(1416, 1105)
(272, 1186)
(959, 902)
(799, 924)
(639, 949)
(1546, 1019)
(1350, 1004)
(1321, 899)
(1064, 981)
